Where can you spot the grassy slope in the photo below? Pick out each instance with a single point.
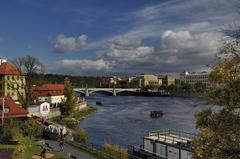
(34, 149)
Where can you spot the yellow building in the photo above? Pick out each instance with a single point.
(12, 81)
(146, 80)
(168, 80)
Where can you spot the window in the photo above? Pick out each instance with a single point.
(8, 86)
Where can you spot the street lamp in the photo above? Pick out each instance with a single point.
(3, 109)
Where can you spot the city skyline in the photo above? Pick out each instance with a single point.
(116, 37)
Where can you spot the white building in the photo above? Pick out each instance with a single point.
(194, 77)
(51, 93)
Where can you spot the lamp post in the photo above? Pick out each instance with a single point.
(3, 109)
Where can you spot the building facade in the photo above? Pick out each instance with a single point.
(142, 81)
(194, 77)
(12, 81)
(51, 93)
(168, 80)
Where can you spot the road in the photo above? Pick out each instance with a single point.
(67, 149)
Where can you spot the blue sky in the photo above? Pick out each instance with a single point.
(116, 37)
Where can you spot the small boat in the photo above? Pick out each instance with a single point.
(156, 114)
(99, 103)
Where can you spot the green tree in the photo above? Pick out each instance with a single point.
(200, 87)
(219, 131)
(70, 101)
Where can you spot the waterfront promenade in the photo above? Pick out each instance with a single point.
(68, 150)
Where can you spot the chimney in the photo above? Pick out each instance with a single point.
(3, 61)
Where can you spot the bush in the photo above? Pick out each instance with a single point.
(69, 122)
(9, 130)
(115, 150)
(81, 136)
(32, 128)
(84, 112)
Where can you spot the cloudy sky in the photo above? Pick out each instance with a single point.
(123, 37)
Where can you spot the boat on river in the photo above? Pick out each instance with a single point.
(164, 144)
(156, 114)
(99, 103)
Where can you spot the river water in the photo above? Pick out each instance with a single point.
(124, 120)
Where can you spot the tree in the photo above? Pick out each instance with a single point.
(29, 66)
(70, 101)
(200, 87)
(9, 130)
(219, 135)
(32, 128)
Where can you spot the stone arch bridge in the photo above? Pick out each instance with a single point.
(113, 91)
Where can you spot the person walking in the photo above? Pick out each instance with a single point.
(61, 145)
(43, 153)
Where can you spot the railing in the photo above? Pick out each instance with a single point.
(98, 152)
(140, 153)
(180, 134)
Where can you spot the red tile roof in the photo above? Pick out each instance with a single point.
(47, 90)
(9, 69)
(48, 94)
(49, 87)
(15, 110)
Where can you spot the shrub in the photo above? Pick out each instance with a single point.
(115, 150)
(81, 136)
(69, 122)
(32, 128)
(9, 130)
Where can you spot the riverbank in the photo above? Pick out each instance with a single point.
(78, 116)
(82, 143)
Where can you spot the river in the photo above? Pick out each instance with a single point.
(124, 120)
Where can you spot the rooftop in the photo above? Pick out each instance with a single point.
(195, 73)
(170, 136)
(13, 110)
(9, 69)
(48, 87)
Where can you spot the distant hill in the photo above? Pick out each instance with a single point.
(77, 81)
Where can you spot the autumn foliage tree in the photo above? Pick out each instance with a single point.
(219, 135)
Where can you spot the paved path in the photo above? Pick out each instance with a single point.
(67, 149)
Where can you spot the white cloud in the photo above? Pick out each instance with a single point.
(168, 37)
(126, 49)
(175, 51)
(63, 44)
(83, 66)
(185, 50)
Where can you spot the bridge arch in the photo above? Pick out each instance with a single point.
(82, 92)
(100, 90)
(121, 91)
